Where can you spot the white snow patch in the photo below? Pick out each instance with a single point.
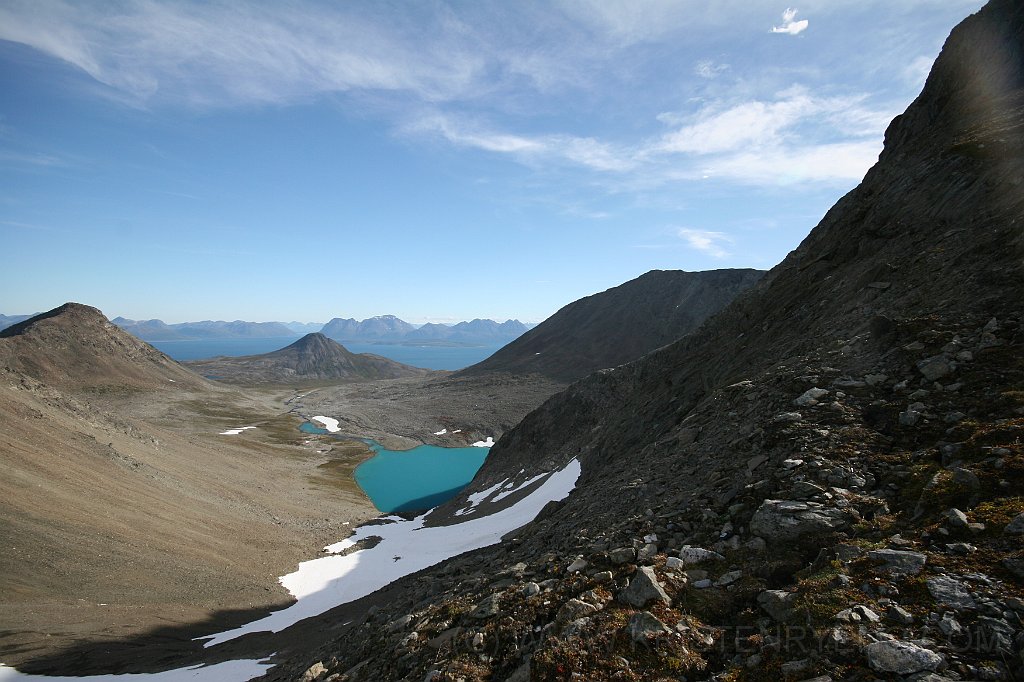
(235, 432)
(476, 498)
(457, 431)
(405, 547)
(330, 423)
(441, 432)
(509, 489)
(172, 381)
(489, 443)
(221, 672)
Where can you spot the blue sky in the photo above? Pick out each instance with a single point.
(436, 161)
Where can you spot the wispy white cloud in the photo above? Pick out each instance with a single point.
(706, 241)
(707, 68)
(790, 25)
(211, 54)
(582, 151)
(795, 136)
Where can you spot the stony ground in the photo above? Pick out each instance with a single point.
(403, 413)
(877, 533)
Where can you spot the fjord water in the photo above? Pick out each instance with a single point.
(429, 357)
(417, 479)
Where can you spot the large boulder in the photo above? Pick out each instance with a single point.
(902, 658)
(784, 520)
(643, 589)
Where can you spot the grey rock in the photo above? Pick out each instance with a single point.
(674, 563)
(899, 561)
(1015, 527)
(935, 367)
(777, 603)
(487, 608)
(622, 555)
(898, 614)
(787, 418)
(950, 626)
(728, 578)
(644, 625)
(530, 589)
(795, 667)
(782, 520)
(574, 609)
(902, 658)
(804, 489)
(956, 519)
(603, 576)
(647, 552)
(810, 397)
(702, 584)
(643, 589)
(694, 555)
(399, 623)
(1015, 565)
(578, 565)
(910, 417)
(950, 592)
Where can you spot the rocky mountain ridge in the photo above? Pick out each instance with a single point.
(822, 482)
(619, 325)
(314, 357)
(76, 347)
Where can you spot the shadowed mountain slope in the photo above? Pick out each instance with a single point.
(618, 325)
(839, 450)
(313, 357)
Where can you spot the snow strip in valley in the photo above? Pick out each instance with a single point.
(229, 670)
(489, 443)
(235, 432)
(405, 547)
(330, 423)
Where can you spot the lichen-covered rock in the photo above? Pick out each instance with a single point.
(643, 589)
(902, 658)
(777, 603)
(644, 625)
(782, 520)
(899, 561)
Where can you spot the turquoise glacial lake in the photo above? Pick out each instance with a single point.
(416, 479)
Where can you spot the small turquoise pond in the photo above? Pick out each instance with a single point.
(417, 479)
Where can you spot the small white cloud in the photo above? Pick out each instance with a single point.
(789, 24)
(706, 241)
(707, 68)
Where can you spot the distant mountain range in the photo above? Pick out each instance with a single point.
(158, 330)
(390, 329)
(380, 329)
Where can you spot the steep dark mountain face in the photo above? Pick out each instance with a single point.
(76, 347)
(823, 481)
(314, 357)
(618, 325)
